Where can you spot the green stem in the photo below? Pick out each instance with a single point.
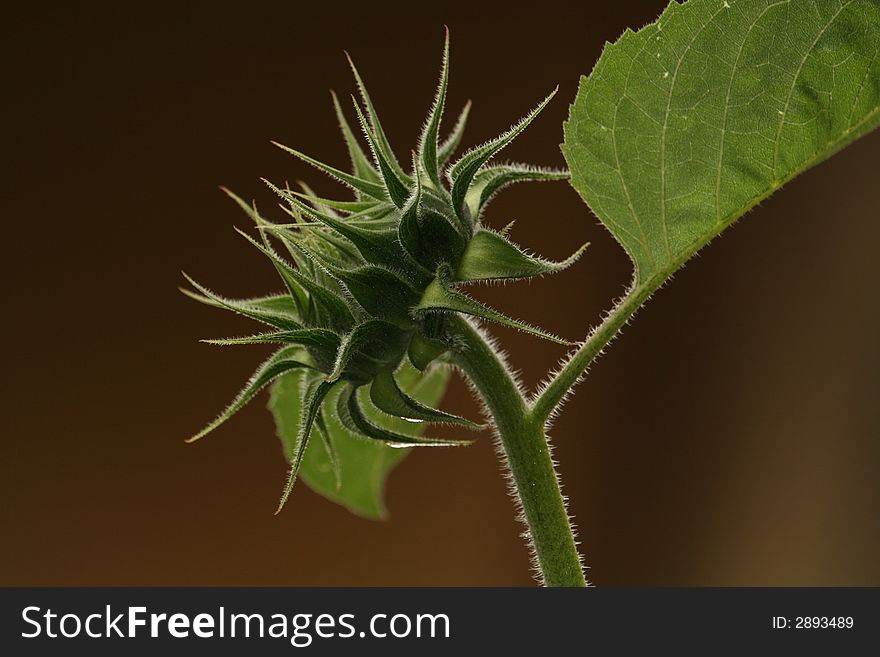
(555, 391)
(528, 456)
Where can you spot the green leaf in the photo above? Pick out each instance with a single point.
(283, 360)
(438, 296)
(364, 465)
(685, 125)
(490, 256)
(386, 394)
(286, 397)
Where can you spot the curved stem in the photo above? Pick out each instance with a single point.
(528, 455)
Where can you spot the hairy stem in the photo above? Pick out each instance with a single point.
(528, 456)
(564, 380)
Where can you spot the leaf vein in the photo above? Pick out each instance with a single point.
(794, 82)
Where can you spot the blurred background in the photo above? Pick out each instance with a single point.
(729, 436)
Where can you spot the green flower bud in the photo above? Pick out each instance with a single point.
(368, 281)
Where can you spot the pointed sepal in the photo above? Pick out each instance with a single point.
(379, 291)
(354, 416)
(427, 235)
(377, 246)
(329, 444)
(438, 296)
(447, 149)
(422, 351)
(317, 338)
(489, 256)
(490, 180)
(397, 188)
(276, 310)
(361, 337)
(283, 360)
(428, 141)
(352, 207)
(360, 163)
(386, 394)
(331, 309)
(374, 189)
(312, 406)
(463, 171)
(381, 140)
(296, 292)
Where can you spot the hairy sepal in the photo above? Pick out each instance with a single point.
(277, 311)
(283, 360)
(386, 394)
(427, 235)
(331, 310)
(374, 332)
(490, 180)
(422, 351)
(372, 189)
(354, 416)
(428, 141)
(447, 149)
(441, 297)
(397, 187)
(463, 171)
(313, 400)
(315, 338)
(490, 256)
(360, 163)
(381, 140)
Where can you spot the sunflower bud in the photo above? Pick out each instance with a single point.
(368, 281)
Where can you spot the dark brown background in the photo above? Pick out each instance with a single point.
(730, 436)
